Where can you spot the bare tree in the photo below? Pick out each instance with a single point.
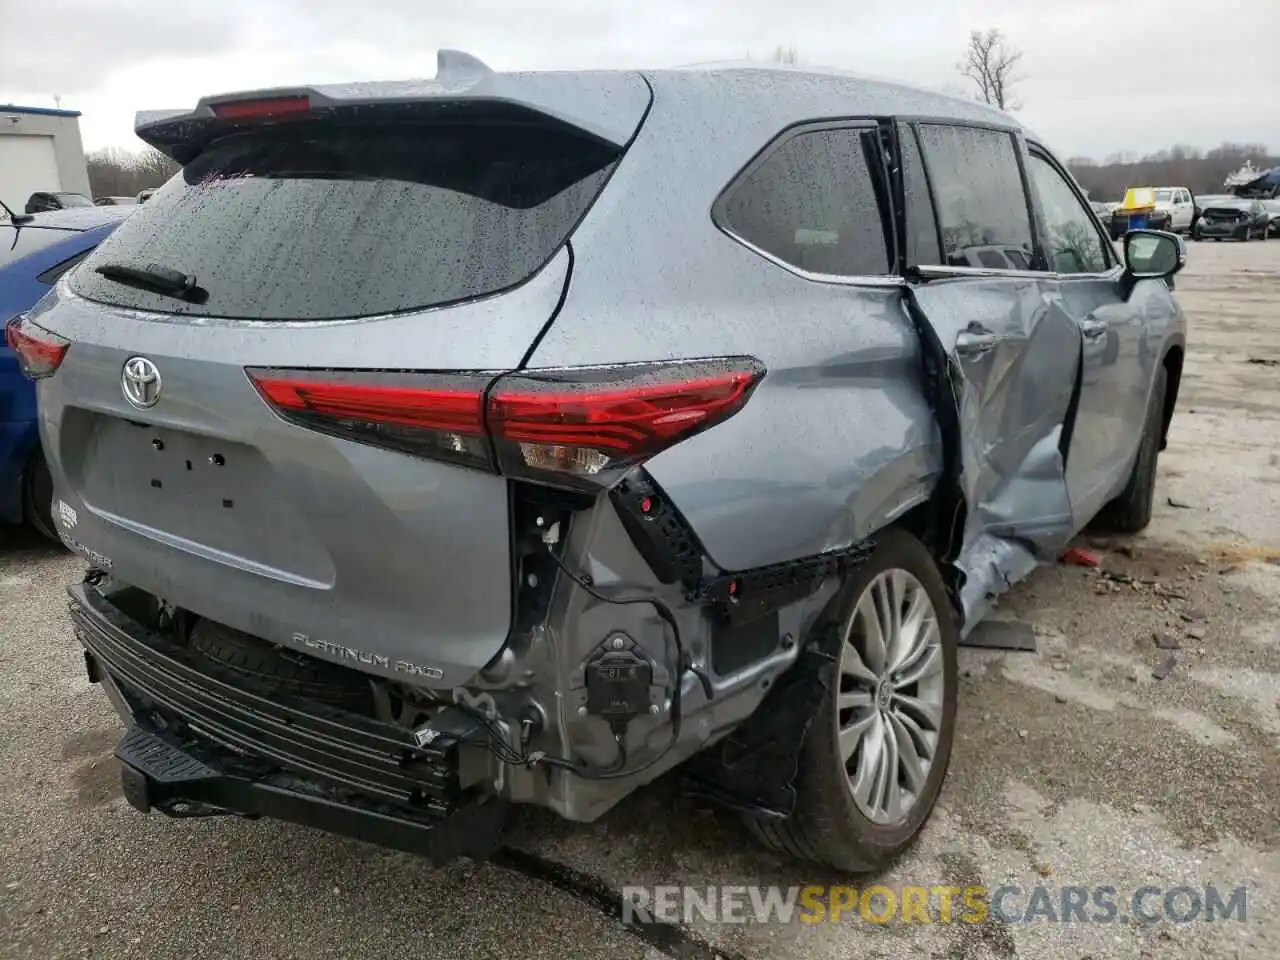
(1182, 165)
(786, 55)
(990, 62)
(115, 172)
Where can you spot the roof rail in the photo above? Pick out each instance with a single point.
(455, 64)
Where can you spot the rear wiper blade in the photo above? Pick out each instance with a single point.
(158, 279)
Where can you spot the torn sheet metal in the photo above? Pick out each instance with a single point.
(1013, 356)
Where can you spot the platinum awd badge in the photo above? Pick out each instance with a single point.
(342, 652)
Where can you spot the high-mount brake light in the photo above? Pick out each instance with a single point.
(38, 350)
(262, 109)
(579, 427)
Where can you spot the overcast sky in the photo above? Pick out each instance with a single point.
(1099, 76)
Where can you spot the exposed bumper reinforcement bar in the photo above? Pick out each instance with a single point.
(200, 746)
(157, 775)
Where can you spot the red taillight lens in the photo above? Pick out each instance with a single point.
(440, 416)
(580, 427)
(590, 424)
(39, 352)
(265, 109)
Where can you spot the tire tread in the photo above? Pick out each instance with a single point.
(821, 830)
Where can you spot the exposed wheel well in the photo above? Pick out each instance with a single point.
(1173, 365)
(938, 523)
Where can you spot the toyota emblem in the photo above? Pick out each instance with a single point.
(140, 382)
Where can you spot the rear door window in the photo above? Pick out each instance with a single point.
(817, 201)
(981, 203)
(327, 220)
(922, 227)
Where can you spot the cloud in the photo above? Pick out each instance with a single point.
(70, 47)
(1097, 76)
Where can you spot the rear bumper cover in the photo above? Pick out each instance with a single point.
(196, 747)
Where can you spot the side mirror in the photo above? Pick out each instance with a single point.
(1153, 254)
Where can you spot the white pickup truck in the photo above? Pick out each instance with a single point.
(1177, 202)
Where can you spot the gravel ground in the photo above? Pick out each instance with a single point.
(1073, 765)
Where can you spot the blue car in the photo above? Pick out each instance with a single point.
(34, 253)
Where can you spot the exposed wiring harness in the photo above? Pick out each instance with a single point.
(617, 769)
(498, 744)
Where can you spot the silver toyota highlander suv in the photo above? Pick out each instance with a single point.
(515, 438)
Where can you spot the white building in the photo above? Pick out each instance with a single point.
(40, 150)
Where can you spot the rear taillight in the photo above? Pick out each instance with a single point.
(429, 415)
(579, 427)
(264, 109)
(588, 425)
(39, 351)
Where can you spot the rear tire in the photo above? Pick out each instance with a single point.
(829, 826)
(37, 497)
(1131, 511)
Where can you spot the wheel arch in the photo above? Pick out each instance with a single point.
(23, 449)
(1172, 363)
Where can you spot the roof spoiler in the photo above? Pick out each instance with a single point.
(608, 105)
(455, 65)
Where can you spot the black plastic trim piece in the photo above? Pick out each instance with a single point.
(660, 534)
(754, 769)
(744, 596)
(157, 773)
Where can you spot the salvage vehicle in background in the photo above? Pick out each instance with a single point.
(1203, 200)
(1272, 209)
(1234, 218)
(44, 202)
(562, 448)
(35, 251)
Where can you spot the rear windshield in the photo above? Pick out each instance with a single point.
(17, 242)
(322, 220)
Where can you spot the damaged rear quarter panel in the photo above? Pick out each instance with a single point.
(838, 439)
(836, 442)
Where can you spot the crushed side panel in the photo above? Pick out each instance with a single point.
(1009, 406)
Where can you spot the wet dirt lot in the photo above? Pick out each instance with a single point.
(1074, 765)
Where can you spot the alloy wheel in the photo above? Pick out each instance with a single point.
(889, 704)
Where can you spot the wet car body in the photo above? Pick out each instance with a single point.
(34, 254)
(541, 542)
